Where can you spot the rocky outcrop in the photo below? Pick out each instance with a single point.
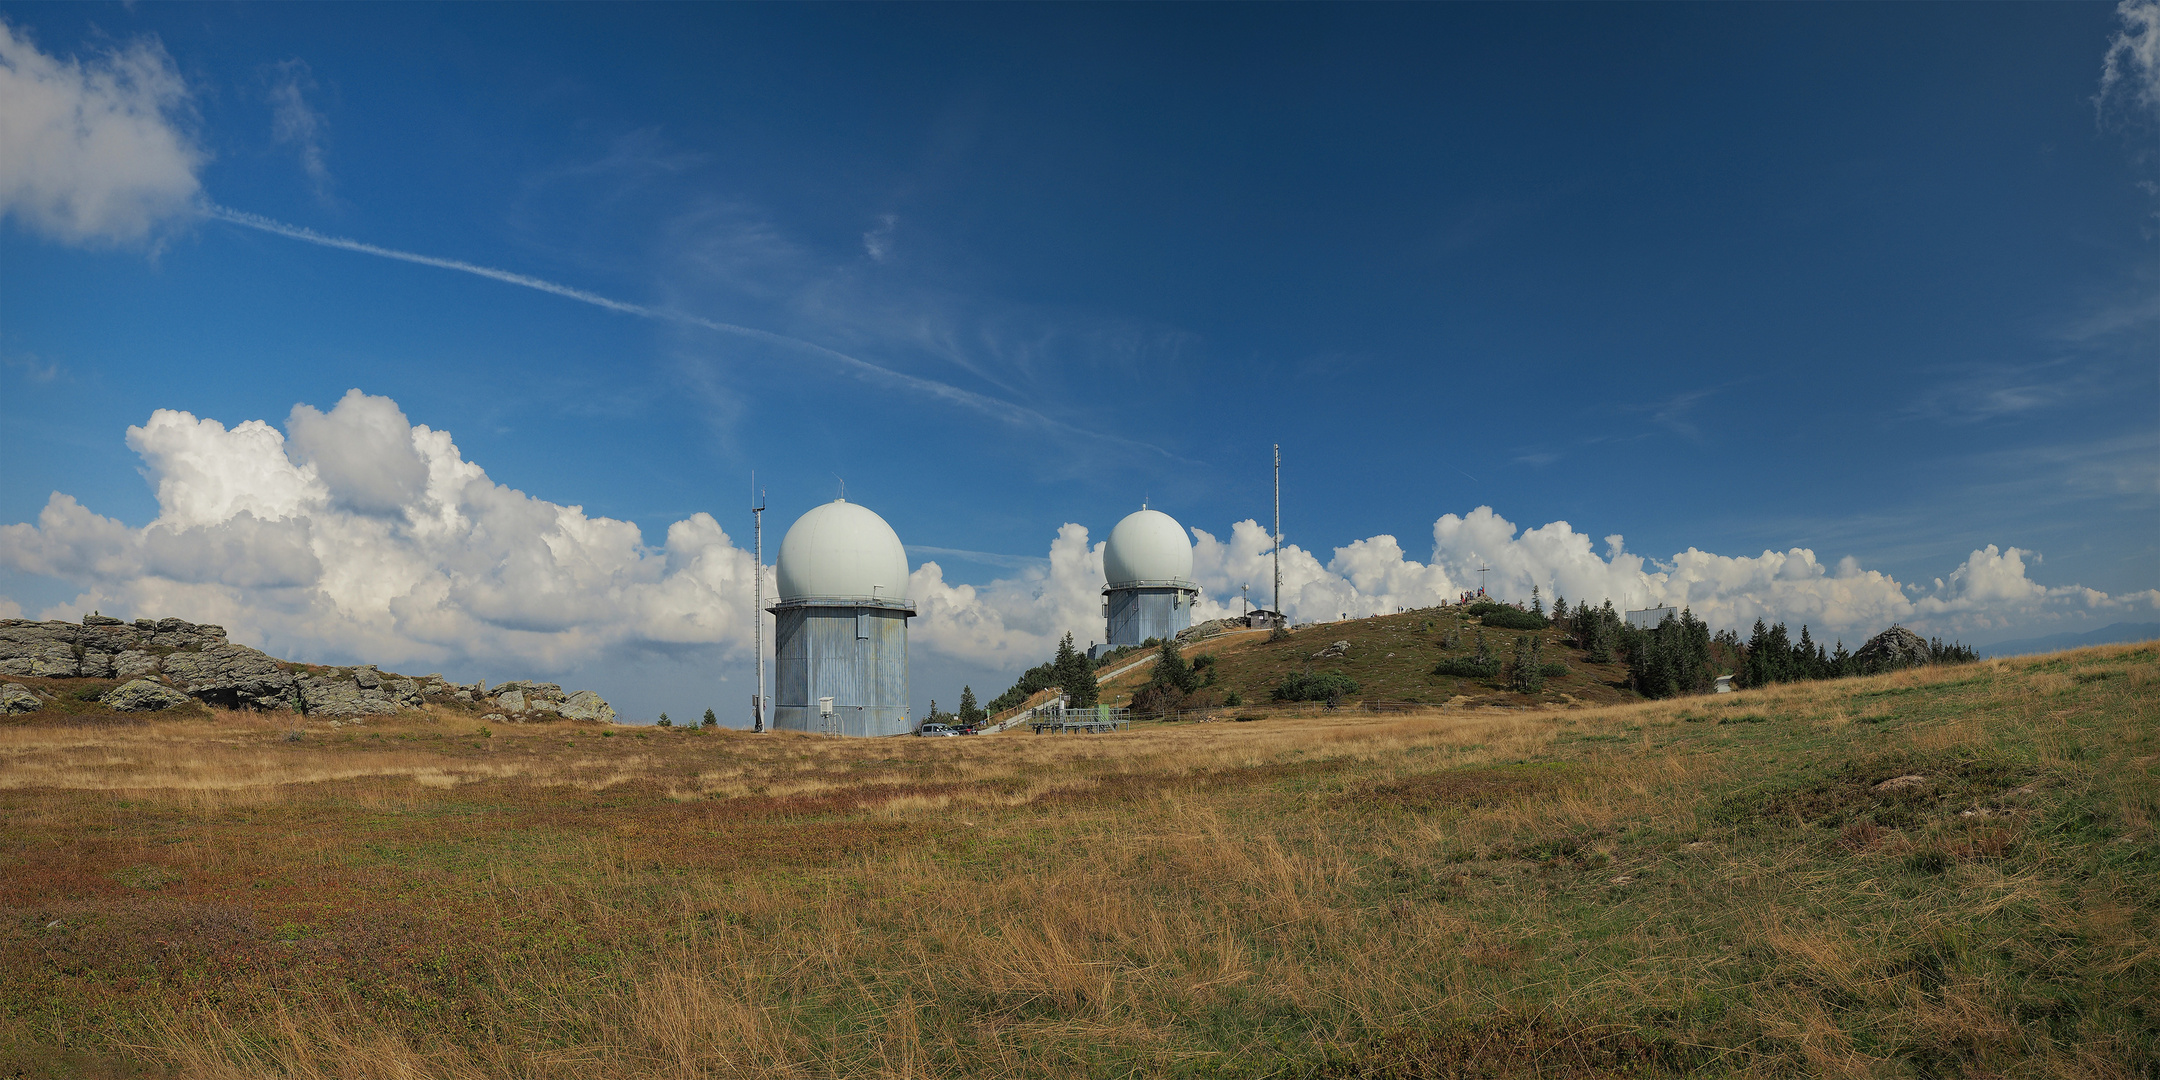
(142, 695)
(234, 676)
(1896, 647)
(1334, 651)
(169, 661)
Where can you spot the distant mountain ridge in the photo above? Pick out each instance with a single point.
(2106, 635)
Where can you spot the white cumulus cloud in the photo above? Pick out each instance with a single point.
(94, 152)
(354, 534)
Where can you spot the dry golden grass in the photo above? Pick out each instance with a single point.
(1704, 886)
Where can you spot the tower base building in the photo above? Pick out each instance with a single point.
(841, 669)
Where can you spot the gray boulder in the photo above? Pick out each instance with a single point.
(17, 698)
(234, 676)
(1340, 648)
(510, 701)
(340, 696)
(134, 664)
(1896, 647)
(367, 677)
(142, 695)
(586, 705)
(101, 620)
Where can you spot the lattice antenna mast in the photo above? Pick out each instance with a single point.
(757, 612)
(1278, 529)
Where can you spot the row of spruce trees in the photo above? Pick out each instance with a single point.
(1681, 656)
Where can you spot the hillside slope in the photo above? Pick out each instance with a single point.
(1391, 657)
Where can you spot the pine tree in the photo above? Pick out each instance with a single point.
(665, 722)
(710, 720)
(970, 712)
(1484, 655)
(1559, 610)
(1074, 674)
(1537, 607)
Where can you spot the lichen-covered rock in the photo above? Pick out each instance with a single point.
(17, 698)
(586, 705)
(142, 695)
(341, 696)
(510, 701)
(234, 676)
(95, 665)
(367, 677)
(134, 664)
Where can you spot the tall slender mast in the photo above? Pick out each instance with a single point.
(1278, 529)
(757, 614)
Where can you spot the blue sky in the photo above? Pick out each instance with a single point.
(1875, 283)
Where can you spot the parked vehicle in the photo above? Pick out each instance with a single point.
(936, 731)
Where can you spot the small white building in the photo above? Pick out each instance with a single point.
(1649, 618)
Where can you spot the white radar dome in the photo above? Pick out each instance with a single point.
(1148, 545)
(845, 552)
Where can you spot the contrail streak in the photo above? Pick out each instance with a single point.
(1003, 410)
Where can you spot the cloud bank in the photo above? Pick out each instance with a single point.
(354, 534)
(94, 153)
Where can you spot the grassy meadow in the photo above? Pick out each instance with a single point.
(1741, 885)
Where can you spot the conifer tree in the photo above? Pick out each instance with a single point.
(1537, 607)
(710, 720)
(970, 712)
(1074, 674)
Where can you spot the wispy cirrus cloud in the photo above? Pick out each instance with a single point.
(297, 123)
(995, 408)
(2130, 70)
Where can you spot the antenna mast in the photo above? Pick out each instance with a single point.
(757, 613)
(1278, 529)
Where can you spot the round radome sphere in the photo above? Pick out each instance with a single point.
(1148, 545)
(842, 551)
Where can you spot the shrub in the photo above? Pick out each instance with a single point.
(1329, 686)
(1232, 699)
(1554, 670)
(1502, 617)
(1467, 668)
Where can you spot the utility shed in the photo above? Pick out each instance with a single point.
(840, 656)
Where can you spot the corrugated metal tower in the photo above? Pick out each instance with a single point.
(1150, 591)
(840, 662)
